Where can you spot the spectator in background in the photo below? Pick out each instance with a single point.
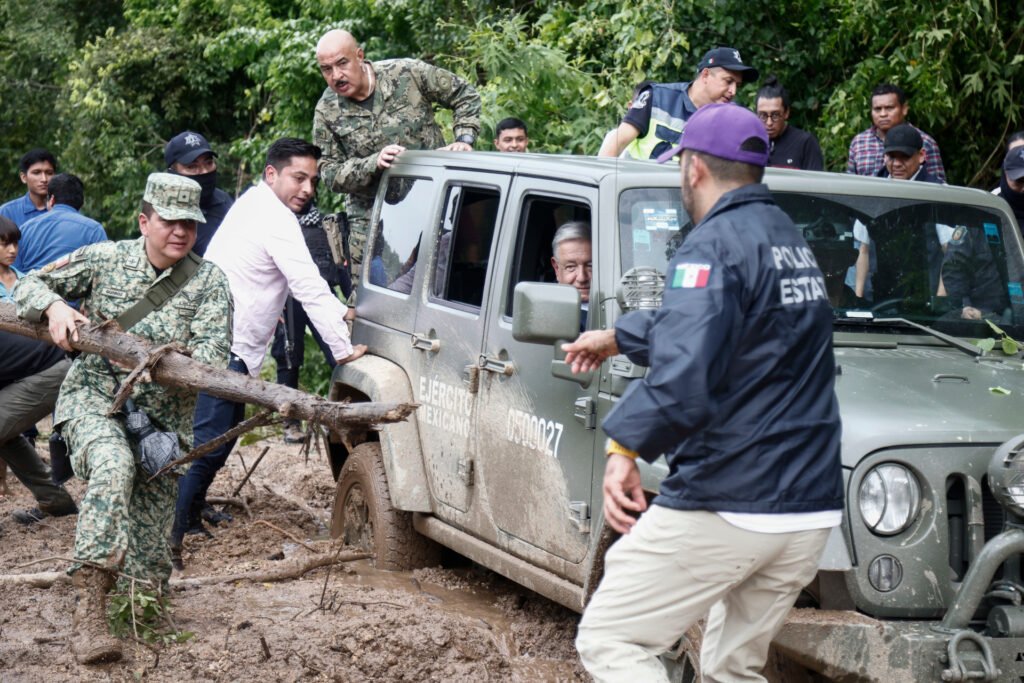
(889, 108)
(35, 169)
(510, 135)
(290, 336)
(1011, 182)
(790, 147)
(659, 112)
(189, 154)
(61, 229)
(1015, 140)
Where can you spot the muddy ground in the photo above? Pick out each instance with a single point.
(456, 622)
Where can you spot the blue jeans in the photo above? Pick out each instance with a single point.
(213, 417)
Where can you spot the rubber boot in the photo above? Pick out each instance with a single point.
(91, 640)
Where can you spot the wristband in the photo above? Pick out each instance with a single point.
(613, 447)
(466, 138)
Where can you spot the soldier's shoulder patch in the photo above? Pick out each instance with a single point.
(958, 235)
(56, 265)
(691, 276)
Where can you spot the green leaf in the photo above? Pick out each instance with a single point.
(986, 344)
(995, 327)
(1010, 346)
(1000, 391)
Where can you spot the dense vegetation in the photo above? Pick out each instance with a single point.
(105, 83)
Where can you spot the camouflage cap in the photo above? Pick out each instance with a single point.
(174, 197)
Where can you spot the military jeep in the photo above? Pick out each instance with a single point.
(503, 459)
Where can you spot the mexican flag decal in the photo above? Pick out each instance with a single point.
(691, 275)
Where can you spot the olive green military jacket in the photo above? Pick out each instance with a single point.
(351, 136)
(109, 277)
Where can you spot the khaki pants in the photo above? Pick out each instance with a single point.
(669, 571)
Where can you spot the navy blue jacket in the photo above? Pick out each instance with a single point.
(740, 394)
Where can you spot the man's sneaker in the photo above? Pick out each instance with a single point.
(214, 516)
(198, 528)
(293, 433)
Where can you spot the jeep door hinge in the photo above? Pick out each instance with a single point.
(584, 412)
(579, 513)
(465, 471)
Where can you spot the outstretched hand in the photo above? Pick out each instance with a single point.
(357, 352)
(590, 350)
(63, 324)
(622, 493)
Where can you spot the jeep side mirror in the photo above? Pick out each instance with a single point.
(544, 312)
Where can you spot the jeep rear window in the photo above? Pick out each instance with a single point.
(947, 265)
(464, 245)
(396, 242)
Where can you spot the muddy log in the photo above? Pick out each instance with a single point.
(174, 369)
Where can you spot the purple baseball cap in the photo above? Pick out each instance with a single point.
(724, 131)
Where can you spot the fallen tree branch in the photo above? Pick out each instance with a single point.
(282, 571)
(288, 534)
(238, 489)
(177, 370)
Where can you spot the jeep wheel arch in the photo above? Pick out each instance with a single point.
(378, 379)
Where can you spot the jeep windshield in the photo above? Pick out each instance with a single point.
(943, 265)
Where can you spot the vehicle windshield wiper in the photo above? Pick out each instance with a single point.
(966, 347)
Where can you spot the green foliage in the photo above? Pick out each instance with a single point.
(144, 615)
(105, 83)
(315, 373)
(1007, 344)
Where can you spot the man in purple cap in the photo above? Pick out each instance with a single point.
(659, 111)
(189, 154)
(739, 398)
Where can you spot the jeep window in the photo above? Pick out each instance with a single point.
(939, 264)
(539, 218)
(464, 245)
(396, 241)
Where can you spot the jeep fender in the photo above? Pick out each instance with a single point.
(378, 379)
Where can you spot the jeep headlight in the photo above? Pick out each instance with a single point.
(1006, 475)
(889, 499)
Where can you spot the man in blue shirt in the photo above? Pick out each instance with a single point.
(35, 169)
(60, 230)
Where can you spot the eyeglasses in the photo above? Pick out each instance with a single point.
(774, 116)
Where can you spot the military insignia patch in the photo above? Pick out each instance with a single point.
(691, 275)
(56, 265)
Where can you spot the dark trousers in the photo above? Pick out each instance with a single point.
(213, 417)
(290, 344)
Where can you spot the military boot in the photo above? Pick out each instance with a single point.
(91, 640)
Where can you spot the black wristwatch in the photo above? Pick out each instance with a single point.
(467, 138)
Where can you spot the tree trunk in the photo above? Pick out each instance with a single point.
(174, 369)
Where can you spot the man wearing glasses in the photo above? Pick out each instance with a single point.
(790, 146)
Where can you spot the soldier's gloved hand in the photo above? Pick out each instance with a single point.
(63, 324)
(357, 352)
(388, 155)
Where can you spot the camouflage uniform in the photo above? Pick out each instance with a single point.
(402, 113)
(124, 519)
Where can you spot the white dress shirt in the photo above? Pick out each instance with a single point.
(259, 246)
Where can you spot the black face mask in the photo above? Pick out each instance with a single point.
(1014, 199)
(207, 181)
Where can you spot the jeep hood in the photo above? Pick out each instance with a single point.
(925, 395)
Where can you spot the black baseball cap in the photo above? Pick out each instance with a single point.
(903, 138)
(1013, 164)
(727, 58)
(184, 148)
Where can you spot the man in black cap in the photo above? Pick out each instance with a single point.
(659, 112)
(189, 154)
(904, 155)
(1011, 183)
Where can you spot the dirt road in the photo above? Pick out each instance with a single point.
(353, 623)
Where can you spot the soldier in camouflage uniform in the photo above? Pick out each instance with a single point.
(125, 520)
(371, 112)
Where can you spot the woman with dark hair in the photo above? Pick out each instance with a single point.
(10, 235)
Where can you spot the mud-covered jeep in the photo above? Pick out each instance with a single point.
(503, 459)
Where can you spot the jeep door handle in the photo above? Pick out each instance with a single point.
(496, 365)
(425, 343)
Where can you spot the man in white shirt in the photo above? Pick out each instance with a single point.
(259, 246)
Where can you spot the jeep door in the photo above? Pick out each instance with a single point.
(448, 334)
(535, 420)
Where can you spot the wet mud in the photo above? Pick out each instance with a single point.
(455, 622)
